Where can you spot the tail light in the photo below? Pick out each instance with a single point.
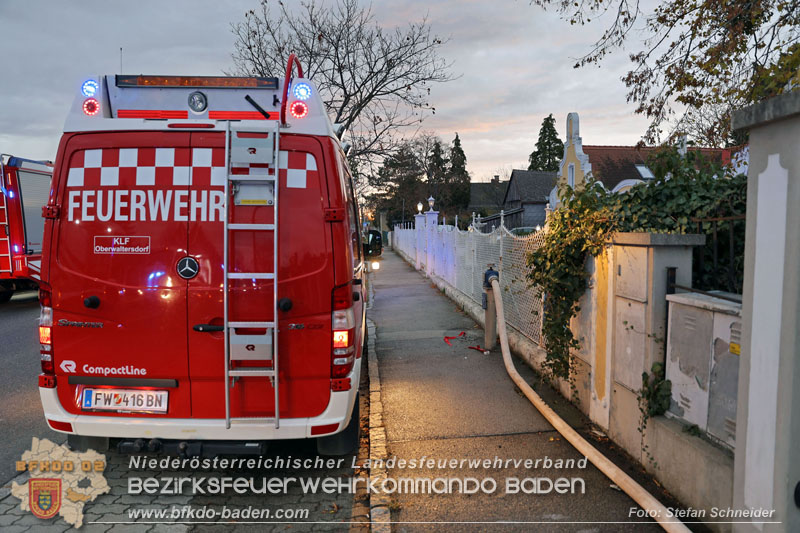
(46, 331)
(344, 332)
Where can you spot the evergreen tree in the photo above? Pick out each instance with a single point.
(437, 163)
(549, 148)
(458, 177)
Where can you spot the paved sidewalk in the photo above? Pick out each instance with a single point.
(446, 402)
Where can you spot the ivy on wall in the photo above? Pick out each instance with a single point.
(685, 187)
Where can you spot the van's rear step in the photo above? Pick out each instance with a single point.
(184, 448)
(252, 159)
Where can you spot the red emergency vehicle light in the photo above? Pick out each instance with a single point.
(91, 106)
(196, 81)
(299, 109)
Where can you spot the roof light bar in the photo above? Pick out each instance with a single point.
(196, 81)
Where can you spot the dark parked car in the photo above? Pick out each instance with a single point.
(374, 245)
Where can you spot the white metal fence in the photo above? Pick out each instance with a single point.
(461, 257)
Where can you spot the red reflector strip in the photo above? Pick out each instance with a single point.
(321, 430)
(338, 385)
(47, 382)
(196, 81)
(191, 125)
(241, 115)
(151, 113)
(60, 426)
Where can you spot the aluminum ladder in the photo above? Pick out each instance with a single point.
(5, 237)
(257, 186)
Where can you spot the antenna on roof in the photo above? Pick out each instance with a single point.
(120, 60)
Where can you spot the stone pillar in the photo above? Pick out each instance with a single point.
(431, 221)
(419, 232)
(767, 462)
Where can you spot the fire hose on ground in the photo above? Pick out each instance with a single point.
(630, 487)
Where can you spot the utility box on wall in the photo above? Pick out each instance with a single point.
(703, 347)
(637, 319)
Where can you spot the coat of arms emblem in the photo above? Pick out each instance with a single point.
(45, 497)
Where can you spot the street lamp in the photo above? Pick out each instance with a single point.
(430, 203)
(419, 207)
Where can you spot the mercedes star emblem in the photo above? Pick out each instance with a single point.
(188, 267)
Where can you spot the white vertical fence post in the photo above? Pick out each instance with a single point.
(419, 233)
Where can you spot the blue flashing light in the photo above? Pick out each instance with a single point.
(89, 88)
(11, 194)
(302, 91)
(152, 279)
(16, 248)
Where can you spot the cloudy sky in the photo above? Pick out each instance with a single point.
(514, 62)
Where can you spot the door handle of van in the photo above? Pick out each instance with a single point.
(207, 328)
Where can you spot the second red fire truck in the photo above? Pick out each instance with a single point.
(24, 190)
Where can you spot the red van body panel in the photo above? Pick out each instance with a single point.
(143, 326)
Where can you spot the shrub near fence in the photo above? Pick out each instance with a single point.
(460, 258)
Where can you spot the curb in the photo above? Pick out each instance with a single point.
(379, 513)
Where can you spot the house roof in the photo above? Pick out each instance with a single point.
(487, 194)
(532, 186)
(614, 164)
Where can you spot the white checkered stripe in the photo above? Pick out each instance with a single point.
(143, 166)
(178, 167)
(297, 165)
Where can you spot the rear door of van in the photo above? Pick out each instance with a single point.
(119, 304)
(305, 276)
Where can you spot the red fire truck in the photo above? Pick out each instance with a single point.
(202, 277)
(24, 190)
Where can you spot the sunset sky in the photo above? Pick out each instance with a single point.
(514, 63)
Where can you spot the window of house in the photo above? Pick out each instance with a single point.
(645, 172)
(571, 175)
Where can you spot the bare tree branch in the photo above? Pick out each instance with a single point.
(373, 80)
(695, 54)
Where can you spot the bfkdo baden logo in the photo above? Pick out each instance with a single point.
(44, 496)
(60, 483)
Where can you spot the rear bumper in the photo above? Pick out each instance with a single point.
(339, 410)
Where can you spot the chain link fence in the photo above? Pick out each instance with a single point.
(460, 258)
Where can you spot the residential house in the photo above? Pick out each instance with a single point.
(486, 198)
(619, 168)
(527, 197)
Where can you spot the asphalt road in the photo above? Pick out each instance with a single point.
(21, 415)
